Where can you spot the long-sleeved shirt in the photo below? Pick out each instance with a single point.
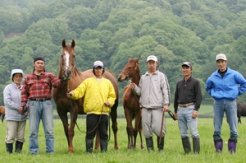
(188, 91)
(154, 90)
(38, 86)
(229, 86)
(95, 92)
(12, 102)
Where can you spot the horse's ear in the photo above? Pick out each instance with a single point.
(73, 44)
(63, 43)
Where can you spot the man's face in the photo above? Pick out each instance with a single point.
(39, 65)
(186, 71)
(152, 66)
(98, 71)
(221, 64)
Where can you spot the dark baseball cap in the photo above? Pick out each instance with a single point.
(188, 64)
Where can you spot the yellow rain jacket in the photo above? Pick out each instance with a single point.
(95, 92)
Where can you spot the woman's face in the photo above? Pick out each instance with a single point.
(17, 78)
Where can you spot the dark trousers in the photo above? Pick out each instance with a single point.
(97, 122)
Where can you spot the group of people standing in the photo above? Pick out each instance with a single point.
(224, 85)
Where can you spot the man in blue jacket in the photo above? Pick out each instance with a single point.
(225, 85)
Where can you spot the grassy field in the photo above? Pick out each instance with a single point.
(173, 151)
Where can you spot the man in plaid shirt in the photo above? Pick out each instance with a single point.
(36, 94)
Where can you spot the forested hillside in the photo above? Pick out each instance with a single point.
(114, 30)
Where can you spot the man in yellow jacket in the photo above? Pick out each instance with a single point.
(99, 97)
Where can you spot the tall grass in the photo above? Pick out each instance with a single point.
(173, 151)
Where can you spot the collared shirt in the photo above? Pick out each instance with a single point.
(12, 102)
(38, 86)
(188, 91)
(153, 90)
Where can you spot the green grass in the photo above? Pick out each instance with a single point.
(173, 151)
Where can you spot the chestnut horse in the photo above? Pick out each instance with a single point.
(72, 77)
(2, 112)
(131, 102)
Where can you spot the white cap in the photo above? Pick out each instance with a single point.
(221, 56)
(98, 64)
(16, 71)
(151, 58)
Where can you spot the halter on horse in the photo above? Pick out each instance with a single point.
(131, 102)
(71, 77)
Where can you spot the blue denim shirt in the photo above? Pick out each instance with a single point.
(12, 101)
(231, 85)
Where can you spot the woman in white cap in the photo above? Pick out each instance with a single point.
(15, 119)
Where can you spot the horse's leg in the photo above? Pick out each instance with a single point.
(73, 119)
(129, 128)
(113, 115)
(97, 142)
(138, 122)
(64, 119)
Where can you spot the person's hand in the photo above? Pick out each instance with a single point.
(21, 110)
(194, 114)
(165, 108)
(132, 85)
(176, 116)
(107, 104)
(69, 94)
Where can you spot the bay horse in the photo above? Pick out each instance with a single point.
(71, 78)
(241, 111)
(131, 102)
(2, 112)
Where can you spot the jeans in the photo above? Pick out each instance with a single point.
(186, 122)
(41, 110)
(230, 108)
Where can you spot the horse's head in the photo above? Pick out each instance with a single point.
(67, 60)
(130, 70)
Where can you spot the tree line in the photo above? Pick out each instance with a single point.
(115, 30)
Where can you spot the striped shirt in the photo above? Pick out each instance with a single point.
(38, 86)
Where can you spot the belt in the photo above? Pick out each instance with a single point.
(39, 99)
(186, 105)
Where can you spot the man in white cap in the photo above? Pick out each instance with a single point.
(225, 85)
(99, 97)
(154, 100)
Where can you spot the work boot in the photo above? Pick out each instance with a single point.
(218, 144)
(103, 145)
(89, 145)
(149, 143)
(9, 147)
(232, 145)
(186, 144)
(160, 143)
(18, 146)
(196, 145)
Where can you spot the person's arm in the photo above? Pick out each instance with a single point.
(55, 81)
(166, 90)
(79, 91)
(24, 93)
(8, 100)
(209, 86)
(111, 96)
(198, 93)
(242, 83)
(175, 105)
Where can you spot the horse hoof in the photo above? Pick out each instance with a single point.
(116, 147)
